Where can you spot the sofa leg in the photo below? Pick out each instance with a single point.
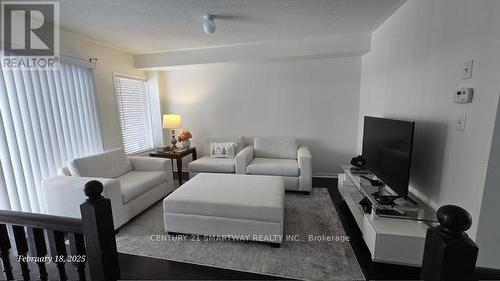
(275, 245)
(307, 192)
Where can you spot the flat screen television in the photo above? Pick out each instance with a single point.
(387, 149)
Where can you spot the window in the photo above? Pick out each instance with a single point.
(46, 119)
(133, 105)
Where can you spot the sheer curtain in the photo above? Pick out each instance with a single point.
(46, 118)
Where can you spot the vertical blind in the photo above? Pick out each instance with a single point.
(46, 118)
(134, 109)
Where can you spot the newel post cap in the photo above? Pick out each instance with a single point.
(454, 218)
(93, 189)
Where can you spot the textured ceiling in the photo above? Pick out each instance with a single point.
(142, 26)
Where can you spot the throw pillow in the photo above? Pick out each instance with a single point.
(222, 150)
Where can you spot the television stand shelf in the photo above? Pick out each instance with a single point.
(410, 209)
(393, 233)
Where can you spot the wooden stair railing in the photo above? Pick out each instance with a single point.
(91, 240)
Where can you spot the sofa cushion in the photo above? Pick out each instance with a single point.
(136, 183)
(275, 167)
(110, 164)
(239, 143)
(214, 165)
(275, 147)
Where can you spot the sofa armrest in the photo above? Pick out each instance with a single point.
(304, 159)
(304, 153)
(242, 159)
(64, 194)
(144, 163)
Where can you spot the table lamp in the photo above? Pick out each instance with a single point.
(172, 122)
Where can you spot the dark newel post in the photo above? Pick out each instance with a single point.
(99, 234)
(449, 253)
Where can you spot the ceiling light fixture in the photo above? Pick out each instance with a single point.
(209, 23)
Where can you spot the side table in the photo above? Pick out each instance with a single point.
(176, 154)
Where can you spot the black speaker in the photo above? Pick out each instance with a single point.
(358, 161)
(366, 205)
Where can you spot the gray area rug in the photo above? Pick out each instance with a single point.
(330, 257)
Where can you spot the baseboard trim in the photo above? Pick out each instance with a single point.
(316, 175)
(326, 175)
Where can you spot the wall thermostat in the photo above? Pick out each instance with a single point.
(463, 95)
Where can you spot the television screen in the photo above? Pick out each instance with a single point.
(387, 149)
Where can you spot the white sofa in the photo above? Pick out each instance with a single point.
(274, 156)
(132, 183)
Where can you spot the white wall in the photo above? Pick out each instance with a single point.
(411, 72)
(349, 45)
(488, 232)
(313, 100)
(110, 60)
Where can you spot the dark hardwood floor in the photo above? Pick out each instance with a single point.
(143, 268)
(375, 270)
(371, 270)
(136, 267)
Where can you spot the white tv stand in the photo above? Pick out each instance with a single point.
(397, 239)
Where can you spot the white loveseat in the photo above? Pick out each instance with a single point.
(132, 183)
(274, 156)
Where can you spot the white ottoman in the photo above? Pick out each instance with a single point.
(244, 207)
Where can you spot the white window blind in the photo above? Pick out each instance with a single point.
(133, 105)
(46, 118)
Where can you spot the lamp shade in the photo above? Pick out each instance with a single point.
(172, 121)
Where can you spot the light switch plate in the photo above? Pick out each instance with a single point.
(460, 121)
(467, 70)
